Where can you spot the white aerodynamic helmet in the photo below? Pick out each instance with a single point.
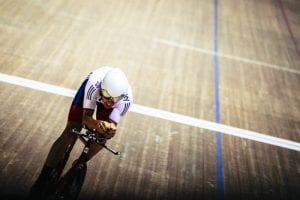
(115, 83)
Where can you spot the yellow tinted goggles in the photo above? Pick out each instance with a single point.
(106, 95)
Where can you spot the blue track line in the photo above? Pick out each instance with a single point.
(219, 157)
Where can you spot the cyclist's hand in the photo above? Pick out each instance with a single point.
(110, 134)
(101, 126)
(106, 128)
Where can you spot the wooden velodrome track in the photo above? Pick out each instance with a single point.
(233, 62)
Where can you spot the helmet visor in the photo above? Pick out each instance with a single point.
(106, 95)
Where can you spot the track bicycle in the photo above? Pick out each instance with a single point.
(68, 186)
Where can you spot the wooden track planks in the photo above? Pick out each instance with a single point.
(166, 49)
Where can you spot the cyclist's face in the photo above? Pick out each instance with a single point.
(108, 103)
(107, 100)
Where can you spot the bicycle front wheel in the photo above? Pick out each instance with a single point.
(70, 185)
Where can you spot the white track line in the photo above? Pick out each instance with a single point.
(37, 85)
(251, 135)
(237, 58)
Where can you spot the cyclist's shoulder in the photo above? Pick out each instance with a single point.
(128, 98)
(96, 76)
(125, 102)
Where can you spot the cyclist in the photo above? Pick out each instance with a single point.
(105, 92)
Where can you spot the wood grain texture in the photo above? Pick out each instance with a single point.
(59, 42)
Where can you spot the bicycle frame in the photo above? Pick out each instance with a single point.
(69, 186)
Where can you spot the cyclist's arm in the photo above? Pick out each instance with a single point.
(107, 127)
(87, 119)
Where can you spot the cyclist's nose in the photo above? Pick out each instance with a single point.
(108, 102)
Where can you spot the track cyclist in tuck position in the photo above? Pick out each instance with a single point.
(105, 91)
